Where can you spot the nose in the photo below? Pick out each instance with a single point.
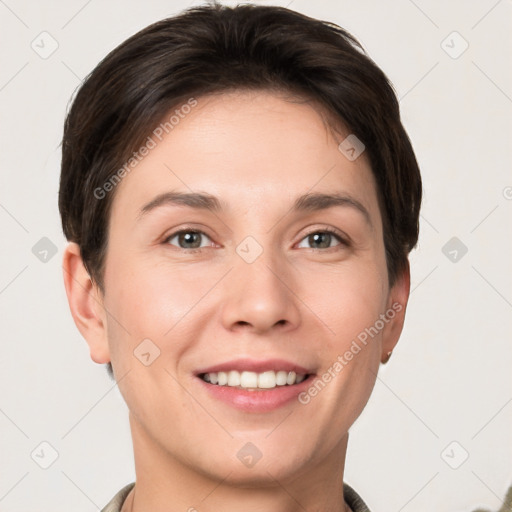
(260, 297)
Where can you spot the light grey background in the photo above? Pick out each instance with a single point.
(449, 377)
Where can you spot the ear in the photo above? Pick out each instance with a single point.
(86, 304)
(395, 312)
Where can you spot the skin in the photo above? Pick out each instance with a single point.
(298, 301)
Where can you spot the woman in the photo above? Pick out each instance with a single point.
(240, 198)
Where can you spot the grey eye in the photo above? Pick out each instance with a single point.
(187, 239)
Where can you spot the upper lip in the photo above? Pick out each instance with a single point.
(257, 366)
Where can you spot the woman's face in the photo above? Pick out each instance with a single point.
(254, 284)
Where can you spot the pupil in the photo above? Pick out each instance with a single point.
(317, 237)
(323, 239)
(189, 236)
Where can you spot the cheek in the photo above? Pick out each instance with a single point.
(150, 298)
(149, 308)
(155, 301)
(347, 302)
(349, 305)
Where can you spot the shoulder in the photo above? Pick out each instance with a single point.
(353, 499)
(115, 504)
(355, 502)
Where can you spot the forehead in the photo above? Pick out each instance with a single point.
(249, 148)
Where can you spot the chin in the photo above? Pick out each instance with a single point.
(257, 462)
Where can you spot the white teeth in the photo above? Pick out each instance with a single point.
(299, 379)
(252, 380)
(281, 378)
(233, 378)
(267, 380)
(249, 380)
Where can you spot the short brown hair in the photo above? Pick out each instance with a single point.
(212, 49)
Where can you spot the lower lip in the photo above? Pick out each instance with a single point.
(257, 401)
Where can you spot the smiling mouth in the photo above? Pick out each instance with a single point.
(252, 380)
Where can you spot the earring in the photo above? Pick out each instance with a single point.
(386, 359)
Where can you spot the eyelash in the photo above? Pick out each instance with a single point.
(343, 241)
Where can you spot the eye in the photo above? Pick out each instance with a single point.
(188, 239)
(323, 238)
(191, 239)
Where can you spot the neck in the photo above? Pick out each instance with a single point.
(164, 483)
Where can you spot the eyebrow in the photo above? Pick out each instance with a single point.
(310, 202)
